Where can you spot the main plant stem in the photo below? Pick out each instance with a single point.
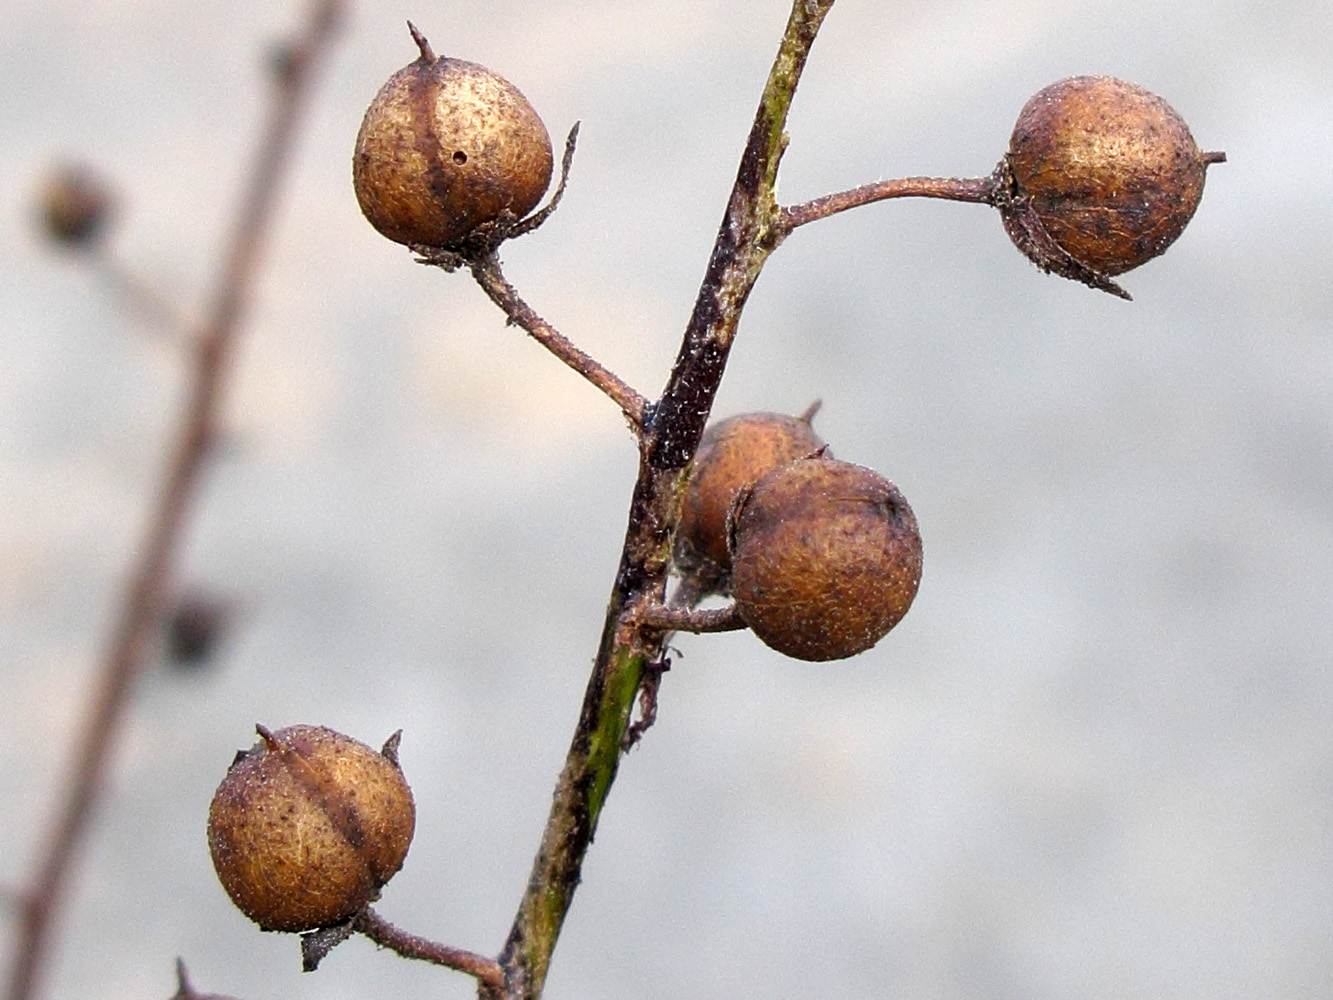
(672, 427)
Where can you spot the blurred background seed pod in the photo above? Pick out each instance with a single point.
(75, 204)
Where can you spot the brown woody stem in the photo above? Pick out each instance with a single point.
(486, 269)
(670, 432)
(485, 970)
(980, 190)
(679, 619)
(149, 580)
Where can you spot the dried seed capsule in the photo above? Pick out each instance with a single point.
(1101, 176)
(194, 628)
(826, 558)
(733, 453)
(308, 825)
(447, 146)
(75, 205)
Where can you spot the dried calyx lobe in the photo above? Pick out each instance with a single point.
(308, 825)
(1101, 176)
(448, 147)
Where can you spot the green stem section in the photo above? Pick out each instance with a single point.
(579, 796)
(751, 229)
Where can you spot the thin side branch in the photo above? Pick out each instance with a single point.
(139, 297)
(980, 190)
(489, 276)
(485, 970)
(679, 619)
(149, 581)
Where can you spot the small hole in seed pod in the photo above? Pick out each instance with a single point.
(467, 118)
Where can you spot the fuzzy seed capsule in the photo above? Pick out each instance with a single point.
(826, 558)
(732, 454)
(445, 147)
(308, 825)
(1101, 176)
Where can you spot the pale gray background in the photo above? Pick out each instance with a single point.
(1095, 760)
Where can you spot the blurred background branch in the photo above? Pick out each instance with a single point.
(150, 579)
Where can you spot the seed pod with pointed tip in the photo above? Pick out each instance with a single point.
(732, 454)
(308, 825)
(1101, 176)
(445, 147)
(826, 558)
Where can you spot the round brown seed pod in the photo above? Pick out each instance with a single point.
(732, 454)
(825, 558)
(75, 204)
(447, 146)
(308, 825)
(194, 628)
(1101, 176)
